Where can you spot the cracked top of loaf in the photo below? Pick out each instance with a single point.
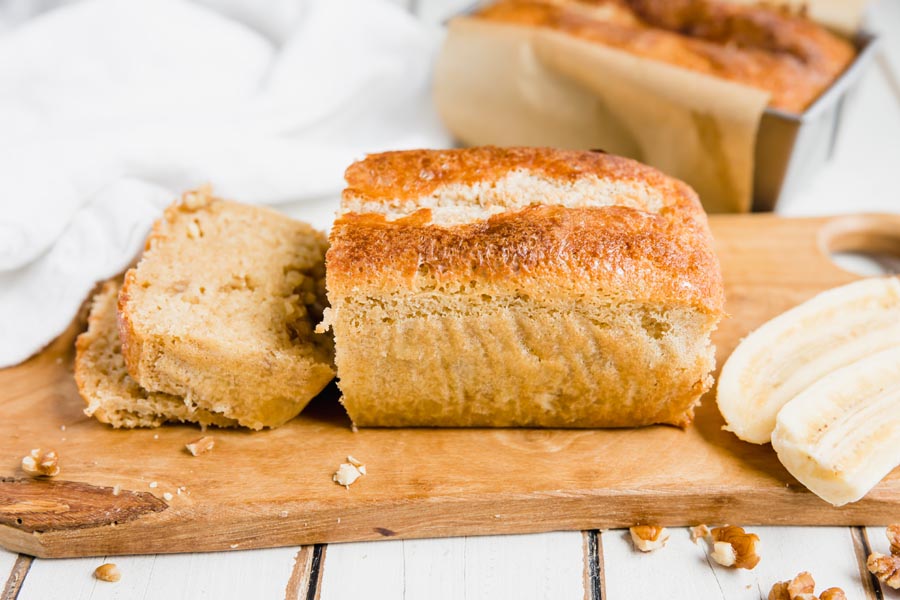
(524, 221)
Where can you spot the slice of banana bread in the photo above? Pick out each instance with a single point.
(221, 310)
(111, 394)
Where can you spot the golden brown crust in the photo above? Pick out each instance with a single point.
(614, 250)
(411, 174)
(767, 48)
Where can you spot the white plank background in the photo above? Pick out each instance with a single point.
(7, 560)
(246, 574)
(863, 176)
(548, 565)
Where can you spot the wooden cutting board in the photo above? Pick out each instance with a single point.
(274, 488)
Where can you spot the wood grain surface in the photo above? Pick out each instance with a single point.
(274, 488)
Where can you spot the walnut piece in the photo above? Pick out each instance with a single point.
(885, 568)
(893, 536)
(734, 547)
(361, 467)
(41, 463)
(201, 445)
(107, 572)
(699, 532)
(648, 538)
(349, 472)
(803, 587)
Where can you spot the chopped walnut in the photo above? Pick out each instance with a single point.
(201, 445)
(734, 547)
(885, 568)
(699, 532)
(349, 472)
(803, 587)
(107, 572)
(357, 464)
(648, 538)
(41, 463)
(893, 536)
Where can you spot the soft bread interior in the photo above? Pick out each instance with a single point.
(221, 310)
(541, 362)
(112, 396)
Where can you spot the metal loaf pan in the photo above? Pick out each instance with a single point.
(791, 147)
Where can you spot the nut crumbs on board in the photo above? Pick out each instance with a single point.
(349, 472)
(41, 463)
(201, 445)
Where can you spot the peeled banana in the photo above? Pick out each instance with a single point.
(787, 355)
(841, 435)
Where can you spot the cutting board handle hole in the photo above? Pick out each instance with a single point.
(867, 245)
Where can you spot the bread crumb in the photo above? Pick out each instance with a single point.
(108, 572)
(201, 445)
(117, 489)
(283, 514)
(153, 484)
(41, 463)
(648, 538)
(167, 497)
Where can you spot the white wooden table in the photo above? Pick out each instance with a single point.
(864, 176)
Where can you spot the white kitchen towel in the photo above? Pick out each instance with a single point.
(110, 108)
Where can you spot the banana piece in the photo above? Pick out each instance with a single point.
(841, 436)
(785, 356)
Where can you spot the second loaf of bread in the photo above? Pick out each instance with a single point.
(520, 287)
